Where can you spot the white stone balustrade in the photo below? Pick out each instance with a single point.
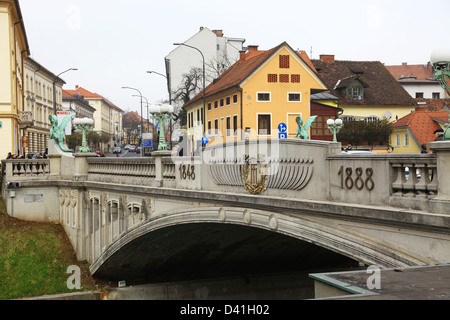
(27, 168)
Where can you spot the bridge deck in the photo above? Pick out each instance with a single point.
(412, 283)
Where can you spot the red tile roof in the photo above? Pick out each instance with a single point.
(420, 71)
(433, 104)
(422, 124)
(90, 95)
(380, 86)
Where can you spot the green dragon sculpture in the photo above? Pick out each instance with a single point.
(57, 133)
(302, 130)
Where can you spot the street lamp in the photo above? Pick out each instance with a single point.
(334, 126)
(140, 94)
(170, 101)
(440, 58)
(161, 113)
(54, 90)
(204, 96)
(83, 125)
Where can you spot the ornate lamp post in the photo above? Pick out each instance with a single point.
(84, 125)
(161, 114)
(440, 58)
(334, 126)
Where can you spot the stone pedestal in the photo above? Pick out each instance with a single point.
(442, 150)
(159, 169)
(61, 163)
(81, 166)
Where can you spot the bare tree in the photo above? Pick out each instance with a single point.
(192, 82)
(214, 68)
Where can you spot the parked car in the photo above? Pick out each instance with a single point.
(127, 147)
(132, 149)
(117, 150)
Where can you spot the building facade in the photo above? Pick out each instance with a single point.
(14, 49)
(418, 80)
(413, 132)
(76, 104)
(107, 117)
(260, 92)
(366, 90)
(39, 104)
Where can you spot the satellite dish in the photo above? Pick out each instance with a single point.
(388, 115)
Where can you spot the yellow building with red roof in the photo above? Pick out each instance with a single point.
(416, 129)
(249, 100)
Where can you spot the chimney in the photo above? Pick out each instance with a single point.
(327, 57)
(242, 55)
(252, 48)
(404, 63)
(218, 33)
(201, 28)
(76, 87)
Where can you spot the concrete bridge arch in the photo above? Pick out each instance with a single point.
(183, 243)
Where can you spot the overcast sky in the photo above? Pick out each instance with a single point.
(113, 43)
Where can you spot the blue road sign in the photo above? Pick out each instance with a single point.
(282, 135)
(282, 127)
(147, 143)
(205, 140)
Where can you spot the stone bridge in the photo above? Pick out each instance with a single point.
(272, 205)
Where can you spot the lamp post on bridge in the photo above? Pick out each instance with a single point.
(161, 113)
(440, 59)
(334, 126)
(170, 102)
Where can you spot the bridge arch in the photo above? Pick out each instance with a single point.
(305, 233)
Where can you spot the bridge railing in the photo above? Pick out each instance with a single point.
(298, 169)
(30, 168)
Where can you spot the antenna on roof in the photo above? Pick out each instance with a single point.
(310, 53)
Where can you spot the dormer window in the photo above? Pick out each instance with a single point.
(355, 91)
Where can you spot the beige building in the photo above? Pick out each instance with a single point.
(14, 50)
(39, 104)
(107, 117)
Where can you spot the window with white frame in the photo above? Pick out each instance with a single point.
(397, 140)
(294, 97)
(263, 96)
(406, 140)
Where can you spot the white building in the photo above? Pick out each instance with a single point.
(76, 104)
(107, 117)
(417, 80)
(219, 52)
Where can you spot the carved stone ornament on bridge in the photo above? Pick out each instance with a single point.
(67, 196)
(73, 197)
(62, 197)
(254, 175)
(148, 205)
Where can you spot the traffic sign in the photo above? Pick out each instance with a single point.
(205, 140)
(282, 135)
(282, 127)
(147, 143)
